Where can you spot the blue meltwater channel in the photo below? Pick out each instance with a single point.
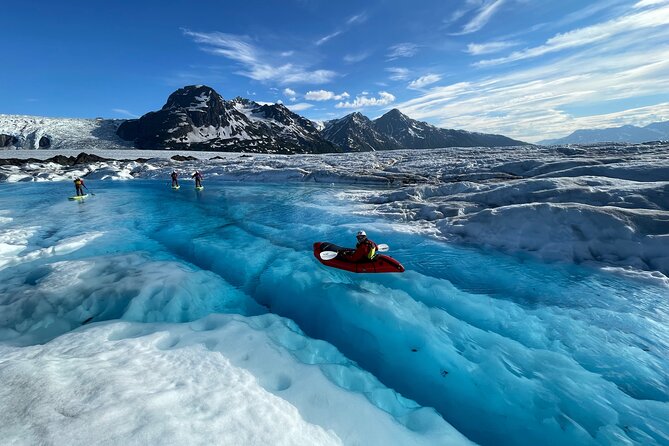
(508, 349)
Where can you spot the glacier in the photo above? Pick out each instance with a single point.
(533, 311)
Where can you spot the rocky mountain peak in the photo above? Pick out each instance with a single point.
(238, 100)
(395, 114)
(194, 96)
(196, 117)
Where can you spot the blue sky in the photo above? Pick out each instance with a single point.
(529, 69)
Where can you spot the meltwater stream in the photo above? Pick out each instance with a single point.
(507, 349)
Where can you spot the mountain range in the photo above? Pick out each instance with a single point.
(198, 118)
(627, 133)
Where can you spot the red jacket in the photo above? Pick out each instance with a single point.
(364, 251)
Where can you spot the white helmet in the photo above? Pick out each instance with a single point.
(361, 234)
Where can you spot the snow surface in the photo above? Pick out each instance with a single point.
(146, 315)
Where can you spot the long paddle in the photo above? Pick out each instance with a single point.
(329, 255)
(87, 190)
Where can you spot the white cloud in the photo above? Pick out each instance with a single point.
(322, 95)
(476, 49)
(384, 98)
(589, 35)
(483, 16)
(251, 59)
(424, 81)
(299, 106)
(398, 74)
(405, 49)
(289, 92)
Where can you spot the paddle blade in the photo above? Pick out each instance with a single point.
(328, 255)
(382, 247)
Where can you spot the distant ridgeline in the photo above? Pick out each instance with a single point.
(198, 118)
(657, 131)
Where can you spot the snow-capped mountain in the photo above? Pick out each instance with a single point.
(198, 118)
(412, 134)
(356, 133)
(34, 132)
(627, 133)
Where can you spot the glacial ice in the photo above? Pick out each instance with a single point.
(160, 311)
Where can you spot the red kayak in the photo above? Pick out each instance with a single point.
(380, 264)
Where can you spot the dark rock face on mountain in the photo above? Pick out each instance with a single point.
(626, 133)
(411, 134)
(198, 118)
(8, 140)
(356, 133)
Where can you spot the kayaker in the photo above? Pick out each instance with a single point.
(198, 178)
(365, 249)
(79, 186)
(175, 181)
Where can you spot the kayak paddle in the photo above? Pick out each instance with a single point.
(329, 255)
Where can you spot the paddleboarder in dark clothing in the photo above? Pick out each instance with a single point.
(175, 181)
(198, 178)
(79, 186)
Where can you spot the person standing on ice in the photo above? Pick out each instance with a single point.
(198, 178)
(175, 181)
(79, 186)
(365, 249)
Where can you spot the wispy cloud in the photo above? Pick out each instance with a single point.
(588, 35)
(541, 101)
(405, 49)
(362, 101)
(589, 10)
(322, 40)
(256, 63)
(424, 81)
(322, 95)
(353, 20)
(477, 49)
(354, 58)
(460, 12)
(299, 106)
(124, 112)
(357, 19)
(398, 73)
(645, 3)
(482, 17)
